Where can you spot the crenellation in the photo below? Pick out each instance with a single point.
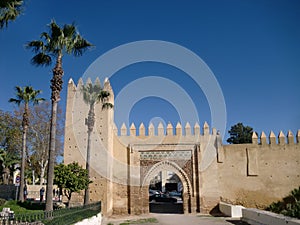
(205, 128)
(254, 138)
(263, 138)
(151, 131)
(197, 129)
(272, 138)
(188, 131)
(290, 137)
(178, 129)
(79, 84)
(97, 81)
(142, 130)
(281, 138)
(169, 129)
(123, 130)
(160, 129)
(89, 81)
(132, 130)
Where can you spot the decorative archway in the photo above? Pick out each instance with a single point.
(170, 166)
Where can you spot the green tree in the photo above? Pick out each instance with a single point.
(92, 94)
(71, 178)
(240, 134)
(9, 11)
(10, 144)
(25, 96)
(38, 140)
(54, 44)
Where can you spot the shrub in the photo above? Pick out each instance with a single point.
(289, 206)
(2, 201)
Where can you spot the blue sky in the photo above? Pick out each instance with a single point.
(252, 48)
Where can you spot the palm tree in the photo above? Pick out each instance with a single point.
(58, 41)
(92, 94)
(25, 96)
(9, 10)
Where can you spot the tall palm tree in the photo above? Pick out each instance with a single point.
(92, 94)
(54, 44)
(25, 96)
(9, 11)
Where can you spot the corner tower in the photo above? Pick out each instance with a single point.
(76, 139)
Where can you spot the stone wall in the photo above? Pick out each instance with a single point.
(249, 174)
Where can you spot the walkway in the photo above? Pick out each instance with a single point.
(173, 219)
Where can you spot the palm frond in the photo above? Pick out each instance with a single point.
(9, 11)
(35, 45)
(80, 46)
(41, 59)
(69, 30)
(107, 105)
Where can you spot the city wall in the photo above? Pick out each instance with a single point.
(124, 159)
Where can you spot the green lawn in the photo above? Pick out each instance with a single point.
(25, 207)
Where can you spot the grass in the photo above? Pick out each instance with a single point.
(25, 207)
(140, 221)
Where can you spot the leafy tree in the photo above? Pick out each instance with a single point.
(38, 141)
(54, 44)
(240, 134)
(25, 96)
(71, 178)
(10, 144)
(92, 94)
(9, 11)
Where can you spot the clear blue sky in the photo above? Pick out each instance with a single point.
(252, 47)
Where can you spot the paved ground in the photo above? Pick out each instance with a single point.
(173, 219)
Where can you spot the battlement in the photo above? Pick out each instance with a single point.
(169, 130)
(106, 85)
(281, 139)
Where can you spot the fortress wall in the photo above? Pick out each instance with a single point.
(250, 174)
(255, 175)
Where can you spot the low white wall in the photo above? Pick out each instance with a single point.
(260, 217)
(231, 210)
(95, 220)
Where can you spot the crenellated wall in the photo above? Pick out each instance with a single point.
(257, 174)
(124, 159)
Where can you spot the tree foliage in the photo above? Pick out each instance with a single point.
(9, 11)
(240, 134)
(25, 96)
(10, 144)
(71, 178)
(38, 141)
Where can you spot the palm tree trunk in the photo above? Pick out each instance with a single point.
(51, 159)
(56, 87)
(22, 181)
(25, 126)
(90, 123)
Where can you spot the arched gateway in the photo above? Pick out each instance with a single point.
(173, 167)
(123, 161)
